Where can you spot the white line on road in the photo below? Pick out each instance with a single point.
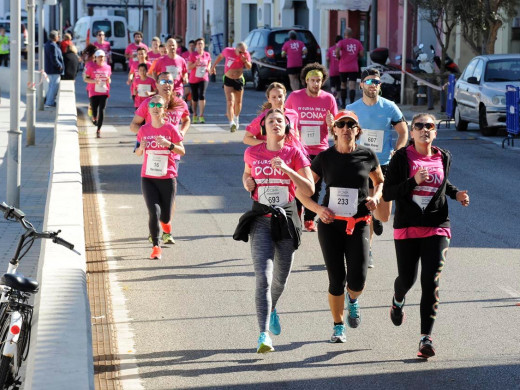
(510, 291)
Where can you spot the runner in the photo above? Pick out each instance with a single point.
(316, 108)
(142, 58)
(345, 214)
(275, 94)
(199, 63)
(187, 94)
(87, 56)
(294, 50)
(97, 76)
(162, 52)
(417, 179)
(159, 141)
(271, 172)
(348, 51)
(103, 45)
(131, 49)
(235, 61)
(154, 53)
(333, 63)
(143, 86)
(174, 64)
(379, 117)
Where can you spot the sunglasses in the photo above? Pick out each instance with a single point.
(372, 82)
(101, 35)
(428, 126)
(162, 82)
(342, 124)
(152, 105)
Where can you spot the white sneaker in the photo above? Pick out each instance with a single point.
(237, 121)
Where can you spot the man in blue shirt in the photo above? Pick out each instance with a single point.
(54, 67)
(379, 117)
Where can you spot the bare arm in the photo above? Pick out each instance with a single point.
(402, 135)
(217, 60)
(136, 124)
(186, 122)
(250, 139)
(247, 181)
(324, 213)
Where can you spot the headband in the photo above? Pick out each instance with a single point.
(314, 72)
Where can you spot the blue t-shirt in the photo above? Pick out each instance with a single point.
(376, 122)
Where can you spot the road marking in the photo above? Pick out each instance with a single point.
(208, 127)
(515, 294)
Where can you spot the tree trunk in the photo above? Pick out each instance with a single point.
(492, 36)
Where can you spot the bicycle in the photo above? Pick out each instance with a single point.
(15, 310)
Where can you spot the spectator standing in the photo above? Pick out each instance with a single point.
(348, 51)
(131, 49)
(4, 48)
(65, 43)
(71, 61)
(333, 63)
(54, 67)
(294, 50)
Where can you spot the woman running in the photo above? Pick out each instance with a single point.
(275, 94)
(143, 86)
(97, 76)
(272, 171)
(344, 216)
(417, 179)
(159, 141)
(236, 59)
(199, 63)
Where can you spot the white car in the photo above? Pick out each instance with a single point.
(480, 92)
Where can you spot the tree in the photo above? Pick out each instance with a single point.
(481, 21)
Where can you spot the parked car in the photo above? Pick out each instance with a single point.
(480, 92)
(265, 45)
(115, 29)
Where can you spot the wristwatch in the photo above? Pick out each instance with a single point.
(171, 147)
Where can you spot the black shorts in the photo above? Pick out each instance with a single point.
(352, 76)
(237, 84)
(384, 168)
(296, 70)
(335, 82)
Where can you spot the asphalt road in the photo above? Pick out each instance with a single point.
(192, 313)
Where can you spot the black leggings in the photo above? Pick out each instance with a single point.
(98, 104)
(432, 252)
(337, 246)
(198, 90)
(158, 196)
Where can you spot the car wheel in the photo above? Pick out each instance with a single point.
(483, 124)
(460, 125)
(257, 81)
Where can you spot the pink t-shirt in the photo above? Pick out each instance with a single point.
(177, 67)
(186, 54)
(232, 60)
(333, 61)
(97, 72)
(423, 193)
(255, 129)
(201, 69)
(134, 68)
(312, 113)
(105, 46)
(349, 54)
(153, 56)
(132, 50)
(294, 49)
(139, 88)
(273, 186)
(158, 155)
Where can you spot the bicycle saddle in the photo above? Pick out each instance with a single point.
(19, 282)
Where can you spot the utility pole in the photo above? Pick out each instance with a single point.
(403, 55)
(41, 57)
(31, 86)
(14, 150)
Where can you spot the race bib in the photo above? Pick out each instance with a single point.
(311, 135)
(143, 88)
(372, 139)
(343, 201)
(156, 162)
(102, 87)
(422, 201)
(173, 70)
(200, 71)
(273, 195)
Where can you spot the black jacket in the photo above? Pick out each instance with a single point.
(399, 185)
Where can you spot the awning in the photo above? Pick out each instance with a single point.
(344, 5)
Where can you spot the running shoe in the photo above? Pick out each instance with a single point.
(426, 349)
(378, 226)
(264, 343)
(338, 336)
(353, 319)
(397, 314)
(89, 112)
(310, 226)
(195, 119)
(232, 126)
(201, 119)
(94, 122)
(98, 133)
(274, 323)
(237, 121)
(156, 253)
(167, 238)
(370, 260)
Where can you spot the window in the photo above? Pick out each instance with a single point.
(102, 25)
(479, 69)
(503, 70)
(119, 29)
(256, 39)
(469, 70)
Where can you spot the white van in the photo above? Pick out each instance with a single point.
(115, 29)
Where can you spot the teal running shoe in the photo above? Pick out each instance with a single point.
(264, 343)
(338, 335)
(274, 323)
(353, 318)
(167, 238)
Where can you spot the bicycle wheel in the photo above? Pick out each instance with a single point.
(6, 374)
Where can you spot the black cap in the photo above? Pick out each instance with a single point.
(369, 72)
